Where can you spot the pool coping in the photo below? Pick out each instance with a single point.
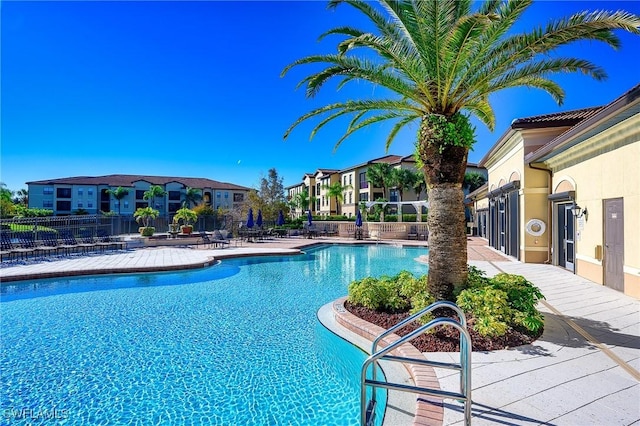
(429, 410)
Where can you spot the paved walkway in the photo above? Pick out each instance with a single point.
(585, 370)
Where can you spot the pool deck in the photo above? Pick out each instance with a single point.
(584, 370)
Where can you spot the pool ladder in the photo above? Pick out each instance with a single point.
(367, 408)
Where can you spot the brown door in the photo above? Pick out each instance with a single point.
(614, 244)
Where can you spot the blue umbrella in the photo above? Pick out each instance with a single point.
(250, 219)
(259, 219)
(309, 218)
(359, 219)
(280, 220)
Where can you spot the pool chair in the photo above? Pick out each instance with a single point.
(412, 234)
(106, 241)
(22, 248)
(69, 242)
(49, 242)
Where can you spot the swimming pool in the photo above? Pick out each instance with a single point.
(234, 344)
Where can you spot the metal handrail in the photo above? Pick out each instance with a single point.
(464, 366)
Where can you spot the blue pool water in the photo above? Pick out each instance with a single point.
(238, 343)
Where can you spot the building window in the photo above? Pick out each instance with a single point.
(226, 194)
(174, 195)
(63, 193)
(238, 198)
(80, 192)
(125, 204)
(394, 196)
(89, 205)
(173, 207)
(139, 194)
(344, 180)
(63, 206)
(47, 204)
(141, 205)
(350, 197)
(350, 179)
(90, 192)
(364, 196)
(80, 205)
(363, 180)
(218, 194)
(47, 190)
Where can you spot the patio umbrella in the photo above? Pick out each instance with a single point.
(280, 220)
(309, 218)
(359, 219)
(250, 219)
(259, 219)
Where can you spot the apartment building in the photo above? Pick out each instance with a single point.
(90, 193)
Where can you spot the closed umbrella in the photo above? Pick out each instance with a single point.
(280, 220)
(359, 219)
(250, 219)
(259, 219)
(309, 218)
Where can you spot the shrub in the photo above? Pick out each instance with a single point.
(501, 302)
(490, 309)
(390, 294)
(522, 296)
(366, 292)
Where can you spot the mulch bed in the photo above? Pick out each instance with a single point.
(443, 339)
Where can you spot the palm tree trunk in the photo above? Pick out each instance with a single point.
(444, 169)
(447, 240)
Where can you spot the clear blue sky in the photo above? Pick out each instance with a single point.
(194, 89)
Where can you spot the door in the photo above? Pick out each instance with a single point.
(614, 243)
(566, 236)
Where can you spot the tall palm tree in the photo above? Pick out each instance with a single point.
(191, 197)
(473, 181)
(402, 180)
(152, 193)
(22, 197)
(440, 59)
(119, 193)
(336, 190)
(379, 176)
(303, 200)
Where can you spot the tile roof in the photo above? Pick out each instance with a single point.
(564, 118)
(128, 181)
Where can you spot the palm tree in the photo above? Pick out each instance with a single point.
(336, 190)
(440, 59)
(473, 181)
(379, 176)
(303, 200)
(22, 197)
(119, 193)
(419, 185)
(192, 196)
(403, 180)
(152, 193)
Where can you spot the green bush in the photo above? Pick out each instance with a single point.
(366, 292)
(389, 294)
(523, 297)
(490, 310)
(501, 302)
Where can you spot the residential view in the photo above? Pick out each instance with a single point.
(375, 213)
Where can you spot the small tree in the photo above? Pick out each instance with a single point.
(152, 193)
(144, 216)
(119, 193)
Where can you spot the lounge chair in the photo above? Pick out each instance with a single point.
(105, 241)
(412, 234)
(69, 242)
(49, 242)
(24, 246)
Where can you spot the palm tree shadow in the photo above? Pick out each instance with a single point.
(559, 333)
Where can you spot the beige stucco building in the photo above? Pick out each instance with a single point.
(565, 189)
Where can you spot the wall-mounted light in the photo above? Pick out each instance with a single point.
(578, 211)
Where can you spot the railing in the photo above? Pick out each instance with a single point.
(367, 409)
